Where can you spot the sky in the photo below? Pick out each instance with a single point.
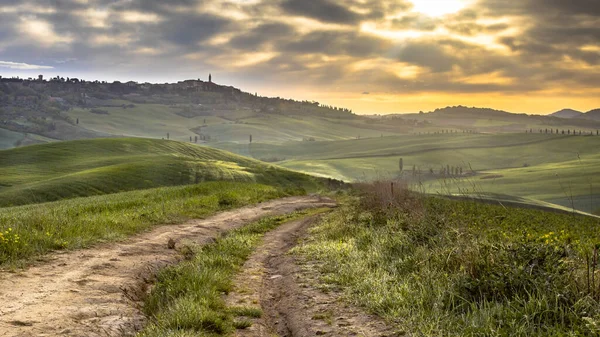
(372, 56)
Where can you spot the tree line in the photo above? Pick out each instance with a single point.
(565, 132)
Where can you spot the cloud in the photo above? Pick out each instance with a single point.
(427, 54)
(322, 10)
(415, 21)
(22, 66)
(351, 43)
(556, 29)
(266, 33)
(188, 29)
(493, 46)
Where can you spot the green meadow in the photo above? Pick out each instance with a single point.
(383, 146)
(77, 193)
(9, 139)
(28, 232)
(437, 267)
(56, 171)
(547, 167)
(156, 120)
(144, 120)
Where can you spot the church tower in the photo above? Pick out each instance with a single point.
(209, 78)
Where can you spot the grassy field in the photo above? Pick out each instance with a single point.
(56, 171)
(437, 267)
(156, 120)
(27, 232)
(188, 298)
(573, 184)
(9, 139)
(385, 146)
(278, 129)
(552, 168)
(144, 120)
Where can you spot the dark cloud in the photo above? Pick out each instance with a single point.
(560, 24)
(348, 43)
(256, 38)
(540, 7)
(556, 31)
(427, 54)
(180, 40)
(338, 11)
(323, 10)
(154, 6)
(190, 29)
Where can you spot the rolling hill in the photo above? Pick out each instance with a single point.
(592, 115)
(49, 172)
(497, 121)
(546, 167)
(44, 111)
(567, 113)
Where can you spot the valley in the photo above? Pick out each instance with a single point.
(299, 168)
(523, 153)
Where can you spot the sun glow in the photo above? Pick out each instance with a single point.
(437, 8)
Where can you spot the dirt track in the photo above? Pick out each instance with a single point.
(93, 292)
(292, 306)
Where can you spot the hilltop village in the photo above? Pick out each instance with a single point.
(41, 106)
(74, 91)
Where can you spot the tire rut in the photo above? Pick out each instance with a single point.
(291, 305)
(98, 291)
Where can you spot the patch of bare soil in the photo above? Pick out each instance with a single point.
(272, 280)
(97, 292)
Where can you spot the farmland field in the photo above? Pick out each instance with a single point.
(156, 120)
(552, 168)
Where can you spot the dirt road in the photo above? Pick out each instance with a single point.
(94, 292)
(292, 306)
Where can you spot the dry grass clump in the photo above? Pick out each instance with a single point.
(385, 198)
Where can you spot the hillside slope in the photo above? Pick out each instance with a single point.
(592, 115)
(155, 121)
(567, 113)
(547, 167)
(48, 172)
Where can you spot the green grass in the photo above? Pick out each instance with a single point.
(156, 120)
(188, 298)
(9, 139)
(549, 168)
(280, 128)
(571, 184)
(145, 120)
(386, 146)
(27, 232)
(246, 312)
(439, 267)
(56, 171)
